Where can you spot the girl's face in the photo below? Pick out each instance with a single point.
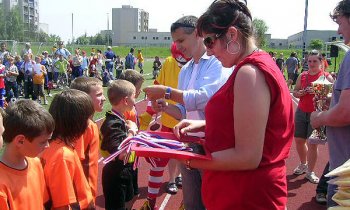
(314, 62)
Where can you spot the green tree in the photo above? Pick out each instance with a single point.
(99, 40)
(316, 44)
(260, 29)
(83, 40)
(11, 24)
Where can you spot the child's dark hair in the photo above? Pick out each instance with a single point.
(132, 76)
(28, 118)
(85, 84)
(119, 89)
(71, 110)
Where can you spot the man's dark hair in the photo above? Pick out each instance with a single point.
(188, 23)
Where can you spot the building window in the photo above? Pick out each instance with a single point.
(156, 38)
(134, 37)
(142, 37)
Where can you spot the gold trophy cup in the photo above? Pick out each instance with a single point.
(323, 91)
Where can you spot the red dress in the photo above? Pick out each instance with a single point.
(264, 187)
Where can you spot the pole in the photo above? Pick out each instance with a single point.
(72, 30)
(305, 26)
(108, 29)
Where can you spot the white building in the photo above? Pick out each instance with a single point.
(28, 9)
(130, 27)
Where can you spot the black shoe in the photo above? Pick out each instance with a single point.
(321, 198)
(178, 181)
(171, 188)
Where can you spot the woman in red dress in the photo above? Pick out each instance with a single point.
(249, 121)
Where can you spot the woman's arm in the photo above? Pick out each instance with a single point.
(251, 110)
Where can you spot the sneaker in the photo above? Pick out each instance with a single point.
(147, 206)
(321, 198)
(302, 168)
(178, 181)
(46, 102)
(49, 95)
(311, 176)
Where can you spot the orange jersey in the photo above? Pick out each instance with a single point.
(131, 115)
(23, 189)
(87, 147)
(65, 177)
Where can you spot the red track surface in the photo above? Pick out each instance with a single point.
(300, 192)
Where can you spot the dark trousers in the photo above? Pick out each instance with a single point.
(322, 184)
(117, 183)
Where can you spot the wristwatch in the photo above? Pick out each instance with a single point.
(167, 93)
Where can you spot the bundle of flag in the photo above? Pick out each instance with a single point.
(144, 139)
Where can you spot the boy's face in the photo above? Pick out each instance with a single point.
(138, 88)
(96, 94)
(35, 147)
(2, 129)
(131, 101)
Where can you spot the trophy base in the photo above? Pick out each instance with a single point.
(316, 138)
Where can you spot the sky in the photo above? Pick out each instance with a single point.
(283, 17)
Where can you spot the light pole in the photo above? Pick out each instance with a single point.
(107, 29)
(305, 26)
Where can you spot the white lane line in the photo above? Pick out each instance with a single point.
(165, 201)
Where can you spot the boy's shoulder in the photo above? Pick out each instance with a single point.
(7, 172)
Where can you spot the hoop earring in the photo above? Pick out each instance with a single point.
(232, 52)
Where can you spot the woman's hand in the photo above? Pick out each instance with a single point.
(188, 126)
(155, 92)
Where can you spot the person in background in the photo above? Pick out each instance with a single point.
(157, 66)
(280, 62)
(85, 64)
(63, 171)
(11, 85)
(140, 61)
(110, 58)
(28, 128)
(2, 84)
(119, 66)
(62, 51)
(324, 62)
(303, 90)
(3, 51)
(39, 74)
(27, 49)
(292, 68)
(242, 149)
(130, 60)
(337, 117)
(27, 69)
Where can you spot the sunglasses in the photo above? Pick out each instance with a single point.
(210, 40)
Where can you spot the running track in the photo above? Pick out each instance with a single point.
(300, 192)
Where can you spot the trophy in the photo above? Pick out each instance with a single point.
(323, 90)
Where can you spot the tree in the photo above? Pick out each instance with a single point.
(260, 29)
(84, 40)
(316, 44)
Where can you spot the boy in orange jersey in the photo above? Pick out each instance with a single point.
(28, 127)
(64, 175)
(87, 146)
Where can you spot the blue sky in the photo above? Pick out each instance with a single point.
(283, 17)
